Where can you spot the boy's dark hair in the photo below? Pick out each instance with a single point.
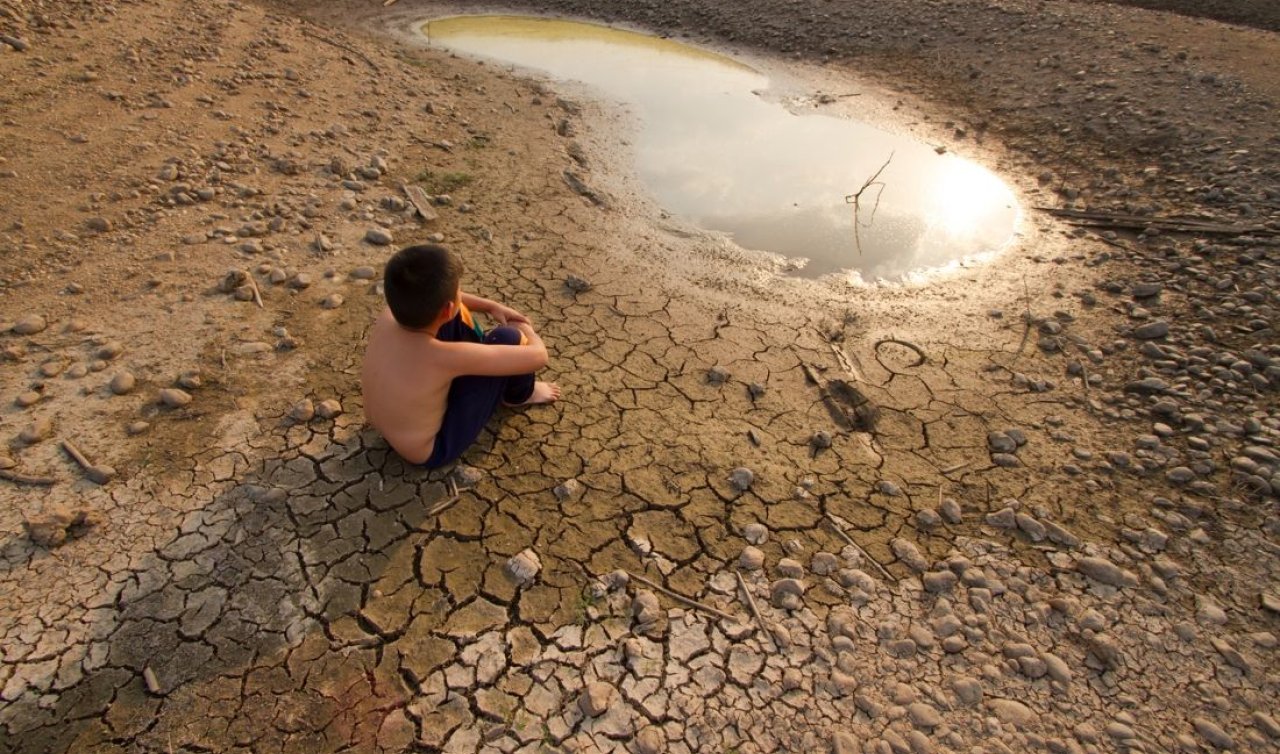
(419, 281)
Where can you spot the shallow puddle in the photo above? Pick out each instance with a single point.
(717, 154)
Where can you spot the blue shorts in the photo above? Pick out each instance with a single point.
(473, 399)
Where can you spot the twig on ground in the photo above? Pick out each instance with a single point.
(678, 597)
(840, 530)
(257, 294)
(956, 467)
(18, 477)
(443, 505)
(341, 46)
(856, 197)
(755, 611)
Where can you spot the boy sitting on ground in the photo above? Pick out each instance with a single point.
(432, 377)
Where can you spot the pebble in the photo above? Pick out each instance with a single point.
(1213, 733)
(742, 478)
(1101, 569)
(302, 411)
(524, 566)
(824, 563)
(786, 594)
(173, 397)
(596, 698)
(755, 533)
(1013, 712)
(27, 399)
(29, 325)
(364, 272)
(189, 380)
(923, 715)
(909, 554)
(328, 409)
(137, 428)
(1151, 330)
(577, 284)
(467, 476)
(717, 375)
(950, 510)
(567, 490)
(123, 383)
(379, 237)
(790, 568)
(650, 741)
(751, 559)
(332, 301)
(36, 431)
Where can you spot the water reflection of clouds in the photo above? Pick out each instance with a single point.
(719, 155)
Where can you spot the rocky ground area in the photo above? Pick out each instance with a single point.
(1028, 507)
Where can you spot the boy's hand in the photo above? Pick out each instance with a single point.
(505, 315)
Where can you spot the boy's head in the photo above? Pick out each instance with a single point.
(420, 281)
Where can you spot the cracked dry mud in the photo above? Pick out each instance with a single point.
(1063, 521)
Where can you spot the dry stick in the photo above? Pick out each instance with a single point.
(678, 597)
(857, 196)
(257, 295)
(76, 455)
(755, 611)
(442, 506)
(836, 525)
(19, 478)
(957, 467)
(341, 46)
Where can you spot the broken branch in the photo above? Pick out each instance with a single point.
(755, 611)
(678, 597)
(19, 478)
(855, 197)
(840, 530)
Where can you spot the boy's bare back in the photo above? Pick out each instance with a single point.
(405, 387)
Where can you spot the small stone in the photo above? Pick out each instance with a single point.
(467, 476)
(1213, 733)
(909, 554)
(29, 325)
(1001, 442)
(751, 559)
(570, 489)
(645, 606)
(35, 432)
(137, 428)
(577, 284)
(98, 224)
(950, 510)
(364, 272)
(820, 440)
(109, 350)
(123, 383)
(173, 397)
(717, 375)
(1266, 723)
(189, 380)
(1013, 712)
(928, 519)
(923, 715)
(1151, 330)
(936, 582)
(332, 301)
(379, 237)
(790, 568)
(328, 409)
(1269, 602)
(650, 740)
(302, 411)
(524, 566)
(786, 594)
(742, 478)
(757, 390)
(1101, 569)
(824, 563)
(755, 533)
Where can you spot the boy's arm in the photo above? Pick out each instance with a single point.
(498, 361)
(503, 315)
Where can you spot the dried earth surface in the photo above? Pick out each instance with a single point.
(1030, 506)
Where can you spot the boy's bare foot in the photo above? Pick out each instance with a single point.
(543, 392)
